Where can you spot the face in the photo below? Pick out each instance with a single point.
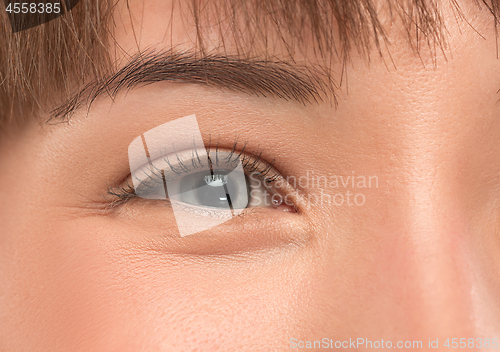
(390, 231)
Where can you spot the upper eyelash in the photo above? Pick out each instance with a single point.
(250, 162)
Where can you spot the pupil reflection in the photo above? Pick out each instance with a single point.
(217, 190)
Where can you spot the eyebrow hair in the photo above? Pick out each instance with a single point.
(265, 78)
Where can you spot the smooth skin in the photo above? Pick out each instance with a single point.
(419, 260)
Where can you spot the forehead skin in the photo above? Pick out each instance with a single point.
(418, 260)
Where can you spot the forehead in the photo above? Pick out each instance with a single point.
(320, 39)
(300, 30)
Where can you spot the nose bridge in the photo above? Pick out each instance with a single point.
(433, 229)
(438, 260)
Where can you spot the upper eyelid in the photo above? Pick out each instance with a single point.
(251, 162)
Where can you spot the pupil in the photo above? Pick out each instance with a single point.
(207, 190)
(212, 192)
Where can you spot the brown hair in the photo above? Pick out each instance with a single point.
(42, 64)
(41, 61)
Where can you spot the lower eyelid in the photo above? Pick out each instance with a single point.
(254, 230)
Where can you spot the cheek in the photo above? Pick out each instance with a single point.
(56, 299)
(94, 290)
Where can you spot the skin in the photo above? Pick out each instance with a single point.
(417, 261)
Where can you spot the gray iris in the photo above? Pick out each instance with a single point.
(217, 190)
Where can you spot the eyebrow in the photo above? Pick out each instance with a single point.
(266, 78)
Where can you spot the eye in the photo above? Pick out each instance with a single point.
(210, 184)
(215, 197)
